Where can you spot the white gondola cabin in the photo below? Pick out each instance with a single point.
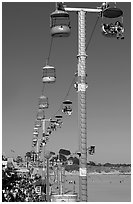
(35, 133)
(36, 129)
(49, 75)
(34, 141)
(67, 107)
(43, 102)
(38, 123)
(60, 24)
(40, 114)
(112, 29)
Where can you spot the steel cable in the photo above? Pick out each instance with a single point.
(92, 33)
(51, 42)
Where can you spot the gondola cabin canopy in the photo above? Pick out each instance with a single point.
(49, 75)
(60, 24)
(67, 102)
(58, 117)
(112, 12)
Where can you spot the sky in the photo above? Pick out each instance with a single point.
(25, 47)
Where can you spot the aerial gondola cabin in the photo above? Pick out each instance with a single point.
(34, 141)
(49, 131)
(35, 133)
(60, 24)
(38, 123)
(53, 124)
(40, 114)
(49, 75)
(91, 150)
(41, 144)
(67, 107)
(43, 102)
(112, 28)
(58, 120)
(36, 129)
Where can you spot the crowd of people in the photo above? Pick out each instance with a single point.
(116, 29)
(21, 188)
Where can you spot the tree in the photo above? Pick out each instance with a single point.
(108, 164)
(75, 160)
(64, 152)
(92, 163)
(28, 155)
(19, 159)
(4, 158)
(63, 158)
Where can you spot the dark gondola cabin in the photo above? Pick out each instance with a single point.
(112, 28)
(53, 125)
(49, 131)
(58, 120)
(67, 107)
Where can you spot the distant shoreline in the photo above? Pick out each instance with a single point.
(97, 173)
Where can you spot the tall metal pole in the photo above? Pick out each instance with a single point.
(47, 179)
(82, 107)
(37, 150)
(82, 116)
(43, 172)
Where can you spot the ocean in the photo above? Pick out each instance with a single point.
(103, 187)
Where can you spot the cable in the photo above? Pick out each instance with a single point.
(69, 88)
(51, 42)
(66, 94)
(43, 89)
(92, 33)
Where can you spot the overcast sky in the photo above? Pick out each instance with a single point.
(25, 47)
